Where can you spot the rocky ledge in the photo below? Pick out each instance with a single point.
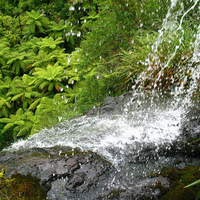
(66, 173)
(63, 171)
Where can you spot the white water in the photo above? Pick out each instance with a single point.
(138, 123)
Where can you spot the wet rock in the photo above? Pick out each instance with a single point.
(112, 105)
(151, 188)
(63, 171)
(148, 188)
(188, 142)
(70, 173)
(191, 124)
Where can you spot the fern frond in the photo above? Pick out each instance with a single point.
(8, 126)
(16, 97)
(43, 84)
(51, 86)
(34, 104)
(25, 129)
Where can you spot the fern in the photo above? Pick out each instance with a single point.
(48, 44)
(21, 123)
(4, 55)
(36, 24)
(5, 84)
(51, 76)
(20, 91)
(30, 46)
(5, 105)
(17, 61)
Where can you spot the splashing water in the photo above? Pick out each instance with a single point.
(171, 28)
(150, 120)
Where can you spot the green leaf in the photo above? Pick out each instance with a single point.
(51, 86)
(34, 104)
(8, 104)
(25, 104)
(43, 84)
(8, 126)
(194, 183)
(16, 129)
(6, 120)
(5, 111)
(16, 97)
(20, 112)
(198, 195)
(26, 129)
(20, 123)
(69, 90)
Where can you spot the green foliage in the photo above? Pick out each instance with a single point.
(172, 61)
(60, 30)
(5, 105)
(194, 183)
(127, 65)
(6, 138)
(49, 44)
(17, 62)
(60, 58)
(144, 14)
(36, 24)
(54, 110)
(92, 92)
(100, 45)
(179, 179)
(21, 123)
(21, 92)
(4, 54)
(49, 78)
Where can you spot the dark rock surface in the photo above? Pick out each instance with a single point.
(62, 171)
(188, 143)
(112, 105)
(67, 173)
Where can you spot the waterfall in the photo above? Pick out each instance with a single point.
(145, 126)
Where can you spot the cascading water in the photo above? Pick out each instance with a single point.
(136, 138)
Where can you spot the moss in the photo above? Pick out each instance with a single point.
(179, 193)
(105, 161)
(115, 194)
(70, 151)
(158, 185)
(170, 173)
(179, 179)
(189, 174)
(20, 187)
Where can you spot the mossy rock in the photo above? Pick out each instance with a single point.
(189, 174)
(180, 193)
(20, 187)
(179, 179)
(170, 173)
